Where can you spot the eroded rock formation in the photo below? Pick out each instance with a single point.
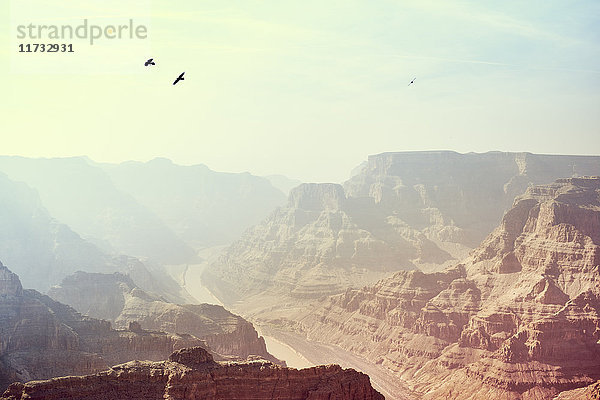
(116, 298)
(41, 338)
(401, 211)
(191, 374)
(518, 319)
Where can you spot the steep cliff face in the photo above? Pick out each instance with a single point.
(320, 243)
(458, 197)
(519, 318)
(41, 338)
(402, 211)
(116, 298)
(191, 374)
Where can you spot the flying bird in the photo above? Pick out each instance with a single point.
(411, 82)
(149, 62)
(179, 78)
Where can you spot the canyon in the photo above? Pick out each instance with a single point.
(517, 319)
(400, 211)
(116, 298)
(394, 273)
(41, 338)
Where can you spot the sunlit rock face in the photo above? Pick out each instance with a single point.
(518, 319)
(191, 374)
(41, 338)
(400, 211)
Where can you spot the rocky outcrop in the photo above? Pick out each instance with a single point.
(191, 374)
(401, 211)
(518, 319)
(116, 298)
(41, 338)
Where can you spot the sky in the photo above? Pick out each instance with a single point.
(306, 89)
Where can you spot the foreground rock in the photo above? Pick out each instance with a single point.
(518, 319)
(402, 211)
(116, 298)
(192, 374)
(41, 338)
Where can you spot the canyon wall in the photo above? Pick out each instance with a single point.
(116, 298)
(401, 211)
(518, 319)
(41, 338)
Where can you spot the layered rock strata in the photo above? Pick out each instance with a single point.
(191, 374)
(116, 298)
(41, 338)
(400, 211)
(518, 319)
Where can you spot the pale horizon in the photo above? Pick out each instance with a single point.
(308, 90)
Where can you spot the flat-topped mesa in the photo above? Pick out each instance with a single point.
(190, 374)
(317, 197)
(10, 285)
(467, 191)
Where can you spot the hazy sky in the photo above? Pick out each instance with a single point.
(310, 88)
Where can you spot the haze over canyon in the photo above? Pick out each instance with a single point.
(424, 275)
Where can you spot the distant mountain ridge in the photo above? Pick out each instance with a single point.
(82, 196)
(43, 251)
(201, 206)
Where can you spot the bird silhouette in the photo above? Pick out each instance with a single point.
(149, 62)
(179, 78)
(411, 82)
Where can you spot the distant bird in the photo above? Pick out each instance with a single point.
(411, 82)
(149, 62)
(179, 78)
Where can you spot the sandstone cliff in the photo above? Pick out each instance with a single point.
(41, 338)
(518, 319)
(320, 243)
(191, 374)
(402, 211)
(116, 298)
